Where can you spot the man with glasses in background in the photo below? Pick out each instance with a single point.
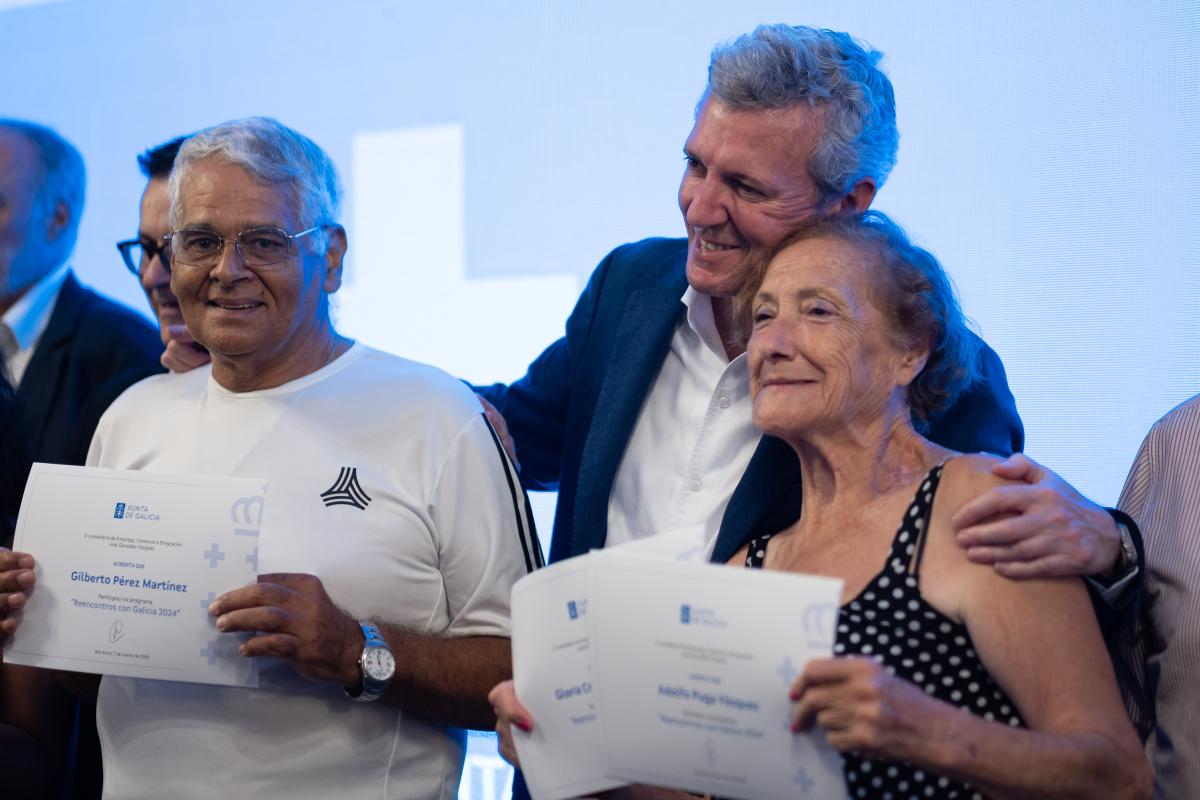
(144, 255)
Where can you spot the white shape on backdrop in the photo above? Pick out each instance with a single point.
(409, 292)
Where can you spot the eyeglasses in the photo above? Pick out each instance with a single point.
(136, 253)
(259, 247)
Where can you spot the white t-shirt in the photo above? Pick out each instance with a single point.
(441, 541)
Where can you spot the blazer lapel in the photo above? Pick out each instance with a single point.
(643, 339)
(766, 499)
(42, 379)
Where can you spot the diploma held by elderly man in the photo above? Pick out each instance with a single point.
(646, 669)
(128, 563)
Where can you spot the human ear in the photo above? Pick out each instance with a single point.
(859, 198)
(912, 361)
(335, 253)
(58, 221)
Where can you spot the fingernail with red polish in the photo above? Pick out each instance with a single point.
(524, 725)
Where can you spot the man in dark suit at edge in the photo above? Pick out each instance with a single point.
(68, 353)
(640, 414)
(61, 339)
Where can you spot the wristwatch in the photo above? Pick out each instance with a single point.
(376, 665)
(1127, 558)
(1125, 565)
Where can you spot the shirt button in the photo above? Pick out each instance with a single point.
(694, 486)
(723, 402)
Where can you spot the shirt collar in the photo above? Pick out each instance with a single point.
(30, 315)
(701, 320)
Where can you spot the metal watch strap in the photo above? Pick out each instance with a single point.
(1129, 557)
(369, 689)
(372, 635)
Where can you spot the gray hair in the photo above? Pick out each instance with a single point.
(778, 66)
(913, 292)
(272, 153)
(61, 178)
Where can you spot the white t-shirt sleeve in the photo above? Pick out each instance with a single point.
(486, 538)
(96, 448)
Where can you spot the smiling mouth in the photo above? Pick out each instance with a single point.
(709, 246)
(229, 305)
(786, 382)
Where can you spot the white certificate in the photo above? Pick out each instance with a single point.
(127, 565)
(693, 664)
(687, 544)
(552, 675)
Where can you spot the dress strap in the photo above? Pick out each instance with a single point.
(756, 551)
(914, 528)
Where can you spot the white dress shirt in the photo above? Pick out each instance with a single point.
(27, 320)
(693, 438)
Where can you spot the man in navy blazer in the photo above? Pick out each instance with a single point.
(624, 414)
(795, 122)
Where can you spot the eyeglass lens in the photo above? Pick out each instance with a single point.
(137, 254)
(259, 247)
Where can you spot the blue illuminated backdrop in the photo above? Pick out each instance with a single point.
(494, 152)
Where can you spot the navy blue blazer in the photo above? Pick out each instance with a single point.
(573, 412)
(91, 351)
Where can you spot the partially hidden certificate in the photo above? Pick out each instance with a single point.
(645, 665)
(127, 563)
(553, 677)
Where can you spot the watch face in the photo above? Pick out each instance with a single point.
(378, 663)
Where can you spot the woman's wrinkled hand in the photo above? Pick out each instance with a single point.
(863, 708)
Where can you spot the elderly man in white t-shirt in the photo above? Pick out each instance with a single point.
(398, 526)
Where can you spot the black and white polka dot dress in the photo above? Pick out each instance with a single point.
(890, 621)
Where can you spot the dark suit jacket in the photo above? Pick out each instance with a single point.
(14, 460)
(91, 351)
(574, 411)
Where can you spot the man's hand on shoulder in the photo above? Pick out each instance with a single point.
(1039, 527)
(182, 353)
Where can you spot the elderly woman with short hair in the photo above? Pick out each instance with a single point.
(948, 680)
